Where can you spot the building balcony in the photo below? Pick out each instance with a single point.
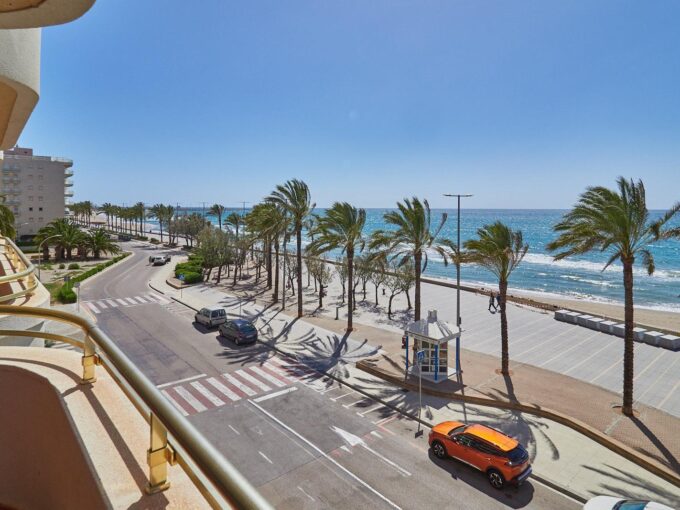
(68, 172)
(68, 182)
(41, 13)
(19, 80)
(68, 193)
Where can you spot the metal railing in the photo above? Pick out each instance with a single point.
(172, 438)
(17, 258)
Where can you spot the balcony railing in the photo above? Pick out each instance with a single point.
(27, 274)
(68, 182)
(172, 438)
(68, 172)
(68, 193)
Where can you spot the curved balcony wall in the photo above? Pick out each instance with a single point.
(19, 81)
(40, 13)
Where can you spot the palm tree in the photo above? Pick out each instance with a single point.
(159, 212)
(410, 239)
(341, 228)
(107, 208)
(87, 209)
(69, 236)
(7, 228)
(294, 199)
(138, 210)
(217, 210)
(500, 250)
(98, 242)
(234, 220)
(616, 222)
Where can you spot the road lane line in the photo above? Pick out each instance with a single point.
(131, 301)
(252, 380)
(245, 389)
(112, 303)
(303, 492)
(216, 401)
(648, 366)
(186, 379)
(370, 410)
(122, 302)
(326, 456)
(141, 300)
(258, 371)
(223, 389)
(275, 394)
(235, 431)
(101, 304)
(174, 403)
(191, 400)
(668, 396)
(265, 457)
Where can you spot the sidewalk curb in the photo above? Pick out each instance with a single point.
(94, 276)
(651, 465)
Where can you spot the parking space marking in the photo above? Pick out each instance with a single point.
(235, 431)
(334, 399)
(650, 364)
(573, 367)
(265, 457)
(668, 396)
(378, 406)
(365, 399)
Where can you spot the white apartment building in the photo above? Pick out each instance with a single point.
(36, 188)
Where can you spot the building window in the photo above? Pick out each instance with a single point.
(40, 199)
(31, 219)
(40, 219)
(40, 188)
(39, 208)
(30, 199)
(30, 176)
(30, 208)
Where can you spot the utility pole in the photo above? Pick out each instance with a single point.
(458, 319)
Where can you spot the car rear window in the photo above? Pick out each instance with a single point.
(246, 328)
(630, 505)
(517, 455)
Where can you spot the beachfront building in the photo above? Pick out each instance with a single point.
(37, 189)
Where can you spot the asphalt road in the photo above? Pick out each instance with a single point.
(301, 439)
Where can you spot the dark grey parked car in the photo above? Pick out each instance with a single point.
(241, 331)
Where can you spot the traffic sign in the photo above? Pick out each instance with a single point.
(420, 356)
(181, 277)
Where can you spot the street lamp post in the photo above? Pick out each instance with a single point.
(40, 250)
(458, 320)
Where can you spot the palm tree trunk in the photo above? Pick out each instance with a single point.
(418, 259)
(629, 345)
(276, 272)
(298, 235)
(350, 287)
(269, 264)
(505, 357)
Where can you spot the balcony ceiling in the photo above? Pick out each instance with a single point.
(40, 13)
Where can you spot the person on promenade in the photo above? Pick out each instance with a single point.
(492, 303)
(498, 301)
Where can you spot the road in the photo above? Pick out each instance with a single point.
(303, 440)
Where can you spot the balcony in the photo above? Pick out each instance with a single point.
(68, 182)
(41, 13)
(68, 193)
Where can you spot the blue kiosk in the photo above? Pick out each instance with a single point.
(432, 336)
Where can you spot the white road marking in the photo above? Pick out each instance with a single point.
(92, 307)
(101, 304)
(191, 400)
(375, 433)
(186, 379)
(223, 389)
(345, 448)
(275, 368)
(385, 420)
(607, 345)
(140, 299)
(158, 298)
(131, 301)
(343, 395)
(303, 492)
(265, 457)
(668, 396)
(353, 440)
(265, 375)
(235, 431)
(174, 403)
(112, 303)
(245, 375)
(326, 456)
(370, 409)
(121, 302)
(347, 406)
(217, 401)
(245, 389)
(275, 394)
(662, 353)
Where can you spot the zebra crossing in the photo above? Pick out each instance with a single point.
(99, 305)
(205, 393)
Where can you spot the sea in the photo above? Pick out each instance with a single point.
(579, 277)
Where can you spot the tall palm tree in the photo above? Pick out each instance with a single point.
(500, 250)
(410, 238)
(217, 210)
(159, 212)
(87, 210)
(617, 222)
(139, 214)
(341, 228)
(69, 236)
(294, 198)
(234, 220)
(107, 209)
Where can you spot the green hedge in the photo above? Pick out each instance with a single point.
(153, 240)
(192, 277)
(98, 268)
(67, 295)
(74, 266)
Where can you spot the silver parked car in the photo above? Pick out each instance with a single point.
(211, 317)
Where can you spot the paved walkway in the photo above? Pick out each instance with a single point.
(559, 454)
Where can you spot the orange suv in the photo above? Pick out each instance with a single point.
(501, 458)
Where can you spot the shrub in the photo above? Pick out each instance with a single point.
(141, 238)
(66, 295)
(153, 240)
(62, 266)
(192, 277)
(74, 266)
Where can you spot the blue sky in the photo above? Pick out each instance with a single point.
(521, 103)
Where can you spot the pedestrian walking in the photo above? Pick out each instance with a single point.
(498, 301)
(492, 303)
